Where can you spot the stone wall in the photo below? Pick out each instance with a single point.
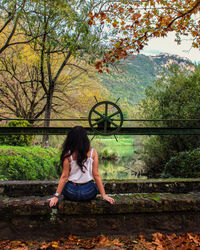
(170, 207)
(43, 188)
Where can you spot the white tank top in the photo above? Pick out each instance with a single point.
(76, 175)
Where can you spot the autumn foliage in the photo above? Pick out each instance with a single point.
(136, 22)
(158, 242)
(129, 24)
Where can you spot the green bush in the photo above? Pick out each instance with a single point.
(17, 140)
(154, 155)
(174, 96)
(183, 165)
(108, 154)
(29, 163)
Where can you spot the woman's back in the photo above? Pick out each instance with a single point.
(76, 175)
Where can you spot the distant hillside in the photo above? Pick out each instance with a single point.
(136, 73)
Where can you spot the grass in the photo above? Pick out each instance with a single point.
(123, 147)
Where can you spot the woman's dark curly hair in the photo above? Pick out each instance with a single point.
(76, 141)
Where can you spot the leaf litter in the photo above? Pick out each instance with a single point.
(158, 241)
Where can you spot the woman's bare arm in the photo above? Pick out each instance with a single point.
(65, 173)
(97, 178)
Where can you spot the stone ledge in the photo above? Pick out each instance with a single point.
(124, 204)
(44, 188)
(29, 218)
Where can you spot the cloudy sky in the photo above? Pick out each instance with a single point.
(167, 45)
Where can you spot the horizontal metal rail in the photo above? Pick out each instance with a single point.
(86, 119)
(123, 131)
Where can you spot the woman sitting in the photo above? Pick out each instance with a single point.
(80, 166)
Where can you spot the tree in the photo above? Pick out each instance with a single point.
(11, 19)
(21, 93)
(136, 22)
(65, 35)
(83, 29)
(174, 96)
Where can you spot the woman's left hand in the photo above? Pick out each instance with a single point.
(53, 201)
(108, 199)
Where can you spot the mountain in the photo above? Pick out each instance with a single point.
(135, 73)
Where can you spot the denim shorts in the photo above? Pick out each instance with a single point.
(80, 192)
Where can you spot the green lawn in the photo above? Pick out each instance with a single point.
(123, 147)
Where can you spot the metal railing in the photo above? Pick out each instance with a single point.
(137, 130)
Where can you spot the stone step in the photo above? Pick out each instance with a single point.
(43, 188)
(31, 217)
(124, 203)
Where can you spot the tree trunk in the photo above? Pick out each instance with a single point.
(45, 138)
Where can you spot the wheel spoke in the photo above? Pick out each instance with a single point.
(96, 112)
(105, 126)
(97, 122)
(113, 123)
(106, 109)
(117, 112)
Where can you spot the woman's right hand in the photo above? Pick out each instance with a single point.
(53, 201)
(108, 199)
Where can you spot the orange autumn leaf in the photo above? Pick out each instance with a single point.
(136, 16)
(130, 10)
(72, 237)
(116, 242)
(98, 64)
(91, 21)
(103, 15)
(115, 23)
(35, 202)
(108, 20)
(156, 34)
(121, 9)
(193, 238)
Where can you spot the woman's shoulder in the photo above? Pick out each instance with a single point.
(92, 152)
(66, 161)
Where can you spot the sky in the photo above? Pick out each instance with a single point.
(168, 45)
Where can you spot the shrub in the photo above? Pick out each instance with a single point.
(183, 165)
(17, 140)
(108, 154)
(175, 95)
(29, 163)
